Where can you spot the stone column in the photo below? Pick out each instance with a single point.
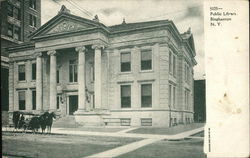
(52, 83)
(98, 76)
(81, 79)
(39, 80)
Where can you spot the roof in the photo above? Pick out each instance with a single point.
(138, 25)
(89, 25)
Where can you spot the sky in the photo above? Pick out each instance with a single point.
(183, 13)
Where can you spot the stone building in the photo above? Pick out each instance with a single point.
(18, 19)
(200, 100)
(138, 74)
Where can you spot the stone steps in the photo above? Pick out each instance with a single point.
(65, 122)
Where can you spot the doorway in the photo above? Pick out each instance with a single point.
(73, 104)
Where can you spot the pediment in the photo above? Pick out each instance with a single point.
(64, 24)
(67, 25)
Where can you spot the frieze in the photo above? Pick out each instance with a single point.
(67, 26)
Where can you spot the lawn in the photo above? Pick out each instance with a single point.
(167, 130)
(192, 148)
(61, 146)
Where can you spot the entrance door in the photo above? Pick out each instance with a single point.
(73, 104)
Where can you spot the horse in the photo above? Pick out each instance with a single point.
(21, 122)
(43, 119)
(15, 119)
(34, 124)
(49, 121)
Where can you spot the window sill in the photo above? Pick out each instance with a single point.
(125, 108)
(33, 80)
(23, 81)
(124, 73)
(146, 108)
(33, 9)
(33, 27)
(72, 83)
(146, 71)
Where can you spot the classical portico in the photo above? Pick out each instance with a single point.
(83, 107)
(51, 40)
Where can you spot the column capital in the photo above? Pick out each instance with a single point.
(97, 46)
(38, 54)
(80, 49)
(51, 52)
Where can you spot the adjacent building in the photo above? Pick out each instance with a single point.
(137, 74)
(19, 18)
(200, 100)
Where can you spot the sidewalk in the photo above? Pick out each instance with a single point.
(123, 133)
(132, 135)
(123, 149)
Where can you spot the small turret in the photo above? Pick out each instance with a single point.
(64, 10)
(123, 21)
(96, 19)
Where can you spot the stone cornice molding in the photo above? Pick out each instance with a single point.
(80, 49)
(51, 52)
(98, 46)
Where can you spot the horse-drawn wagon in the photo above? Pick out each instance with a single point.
(31, 121)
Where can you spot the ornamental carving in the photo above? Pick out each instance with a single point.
(51, 52)
(80, 49)
(67, 26)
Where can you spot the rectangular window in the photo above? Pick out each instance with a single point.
(170, 62)
(21, 100)
(174, 66)
(125, 96)
(9, 10)
(146, 60)
(170, 95)
(187, 99)
(187, 73)
(58, 102)
(73, 71)
(57, 76)
(33, 100)
(146, 95)
(16, 13)
(21, 72)
(125, 62)
(146, 121)
(10, 30)
(32, 20)
(174, 96)
(32, 4)
(33, 75)
(17, 33)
